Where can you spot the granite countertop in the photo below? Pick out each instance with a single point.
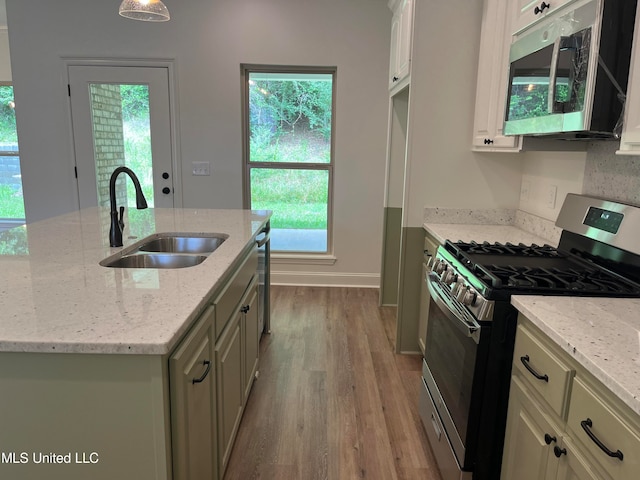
(602, 334)
(55, 297)
(483, 233)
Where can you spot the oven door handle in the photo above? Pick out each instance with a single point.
(470, 328)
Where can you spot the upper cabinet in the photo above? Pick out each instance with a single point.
(529, 12)
(401, 33)
(630, 140)
(493, 72)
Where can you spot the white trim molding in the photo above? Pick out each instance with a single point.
(326, 279)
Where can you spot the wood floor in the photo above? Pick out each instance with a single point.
(333, 400)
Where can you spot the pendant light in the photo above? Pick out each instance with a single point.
(145, 10)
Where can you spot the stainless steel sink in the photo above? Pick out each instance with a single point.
(181, 243)
(167, 250)
(154, 260)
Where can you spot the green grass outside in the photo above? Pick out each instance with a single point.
(298, 198)
(11, 203)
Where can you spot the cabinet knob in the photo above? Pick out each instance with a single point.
(395, 79)
(541, 8)
(488, 141)
(558, 452)
(245, 309)
(548, 439)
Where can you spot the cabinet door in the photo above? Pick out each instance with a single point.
(492, 81)
(572, 466)
(251, 336)
(630, 141)
(230, 388)
(192, 378)
(529, 439)
(401, 35)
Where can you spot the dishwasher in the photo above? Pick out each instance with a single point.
(264, 280)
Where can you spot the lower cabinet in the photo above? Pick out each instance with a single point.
(193, 402)
(562, 423)
(230, 393)
(211, 374)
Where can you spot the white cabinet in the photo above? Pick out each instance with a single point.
(562, 424)
(492, 81)
(401, 34)
(630, 140)
(529, 12)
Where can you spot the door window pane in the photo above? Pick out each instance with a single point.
(289, 117)
(11, 200)
(121, 136)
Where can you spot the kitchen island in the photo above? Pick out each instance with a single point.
(90, 356)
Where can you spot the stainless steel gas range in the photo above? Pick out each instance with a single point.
(471, 326)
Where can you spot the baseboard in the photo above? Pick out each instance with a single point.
(326, 279)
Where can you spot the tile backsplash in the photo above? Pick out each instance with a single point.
(612, 176)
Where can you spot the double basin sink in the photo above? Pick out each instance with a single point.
(167, 250)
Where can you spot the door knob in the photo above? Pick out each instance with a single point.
(165, 175)
(166, 190)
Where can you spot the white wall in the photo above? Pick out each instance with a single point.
(444, 172)
(208, 40)
(5, 61)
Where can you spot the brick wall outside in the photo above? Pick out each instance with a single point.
(108, 139)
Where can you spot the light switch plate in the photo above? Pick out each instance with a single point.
(200, 168)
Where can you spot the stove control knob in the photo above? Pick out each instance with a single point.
(441, 267)
(470, 297)
(457, 287)
(450, 277)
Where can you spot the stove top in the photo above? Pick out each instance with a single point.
(505, 269)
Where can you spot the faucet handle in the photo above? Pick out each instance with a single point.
(121, 220)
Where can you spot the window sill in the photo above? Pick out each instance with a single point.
(302, 259)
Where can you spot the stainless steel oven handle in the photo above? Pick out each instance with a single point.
(470, 330)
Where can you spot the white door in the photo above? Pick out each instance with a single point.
(121, 116)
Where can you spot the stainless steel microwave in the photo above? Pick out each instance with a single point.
(568, 74)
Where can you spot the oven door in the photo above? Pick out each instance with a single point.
(454, 370)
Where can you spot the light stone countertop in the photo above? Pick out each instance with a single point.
(602, 334)
(55, 297)
(481, 233)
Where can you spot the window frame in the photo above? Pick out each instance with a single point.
(247, 165)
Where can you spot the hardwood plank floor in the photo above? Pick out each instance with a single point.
(333, 400)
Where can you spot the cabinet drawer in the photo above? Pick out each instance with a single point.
(227, 301)
(542, 370)
(608, 428)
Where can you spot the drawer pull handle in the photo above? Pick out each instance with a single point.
(586, 426)
(525, 362)
(204, 375)
(548, 439)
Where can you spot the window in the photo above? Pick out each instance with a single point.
(288, 154)
(11, 201)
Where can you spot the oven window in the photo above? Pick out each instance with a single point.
(451, 357)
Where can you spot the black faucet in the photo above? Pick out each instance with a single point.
(117, 224)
